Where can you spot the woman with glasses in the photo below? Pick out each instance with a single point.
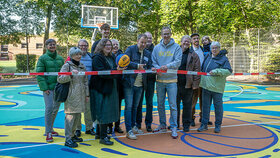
(77, 97)
(103, 88)
(49, 62)
(216, 63)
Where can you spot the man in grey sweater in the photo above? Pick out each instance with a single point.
(167, 55)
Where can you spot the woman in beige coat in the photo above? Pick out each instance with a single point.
(77, 97)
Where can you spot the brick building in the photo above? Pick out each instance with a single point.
(8, 52)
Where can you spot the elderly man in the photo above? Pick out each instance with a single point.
(149, 93)
(87, 61)
(167, 55)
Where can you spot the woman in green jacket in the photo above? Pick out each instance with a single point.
(49, 62)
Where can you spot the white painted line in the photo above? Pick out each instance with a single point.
(123, 136)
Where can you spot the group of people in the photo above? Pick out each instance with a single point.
(99, 97)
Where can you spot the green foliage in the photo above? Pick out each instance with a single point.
(21, 62)
(272, 63)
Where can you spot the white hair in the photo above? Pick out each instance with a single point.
(215, 43)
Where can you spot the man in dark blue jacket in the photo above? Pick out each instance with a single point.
(149, 93)
(140, 59)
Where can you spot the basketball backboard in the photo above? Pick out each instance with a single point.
(93, 16)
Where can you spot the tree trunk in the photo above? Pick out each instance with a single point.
(48, 23)
(191, 16)
(27, 52)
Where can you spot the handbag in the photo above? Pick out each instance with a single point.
(61, 91)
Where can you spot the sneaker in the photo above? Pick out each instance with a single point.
(136, 130)
(202, 128)
(192, 123)
(149, 129)
(118, 129)
(54, 133)
(131, 135)
(217, 129)
(106, 141)
(186, 128)
(49, 137)
(91, 132)
(210, 123)
(70, 143)
(78, 133)
(76, 139)
(160, 129)
(174, 133)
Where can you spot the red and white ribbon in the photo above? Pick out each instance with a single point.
(115, 72)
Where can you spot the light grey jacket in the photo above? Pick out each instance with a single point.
(78, 89)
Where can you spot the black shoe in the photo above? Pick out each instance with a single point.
(186, 128)
(192, 123)
(76, 139)
(70, 143)
(78, 133)
(91, 132)
(149, 129)
(106, 141)
(98, 137)
(210, 123)
(110, 130)
(118, 129)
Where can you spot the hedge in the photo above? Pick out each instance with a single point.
(21, 62)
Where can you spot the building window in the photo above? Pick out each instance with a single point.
(23, 45)
(4, 48)
(39, 45)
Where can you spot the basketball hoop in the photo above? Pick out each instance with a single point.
(99, 25)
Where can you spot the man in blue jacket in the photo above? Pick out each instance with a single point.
(140, 59)
(167, 55)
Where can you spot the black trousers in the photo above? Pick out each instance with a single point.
(185, 95)
(101, 130)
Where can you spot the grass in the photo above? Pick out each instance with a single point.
(8, 66)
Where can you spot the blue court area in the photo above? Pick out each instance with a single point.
(251, 128)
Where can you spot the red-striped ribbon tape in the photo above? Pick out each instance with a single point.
(114, 72)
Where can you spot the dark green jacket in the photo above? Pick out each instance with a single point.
(49, 62)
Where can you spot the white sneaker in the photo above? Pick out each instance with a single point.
(136, 130)
(174, 134)
(131, 135)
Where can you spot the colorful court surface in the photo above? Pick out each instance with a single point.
(250, 129)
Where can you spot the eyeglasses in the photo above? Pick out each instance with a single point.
(52, 44)
(83, 45)
(108, 45)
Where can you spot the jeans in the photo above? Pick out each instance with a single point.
(132, 97)
(51, 109)
(184, 95)
(217, 98)
(171, 90)
(149, 96)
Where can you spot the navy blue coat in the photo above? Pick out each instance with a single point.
(134, 55)
(218, 62)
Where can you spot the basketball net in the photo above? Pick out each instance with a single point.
(95, 32)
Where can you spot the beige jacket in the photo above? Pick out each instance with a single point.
(78, 90)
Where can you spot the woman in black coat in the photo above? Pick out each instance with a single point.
(103, 88)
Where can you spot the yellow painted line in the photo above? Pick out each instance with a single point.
(7, 86)
(267, 107)
(273, 88)
(248, 101)
(233, 91)
(248, 87)
(6, 103)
